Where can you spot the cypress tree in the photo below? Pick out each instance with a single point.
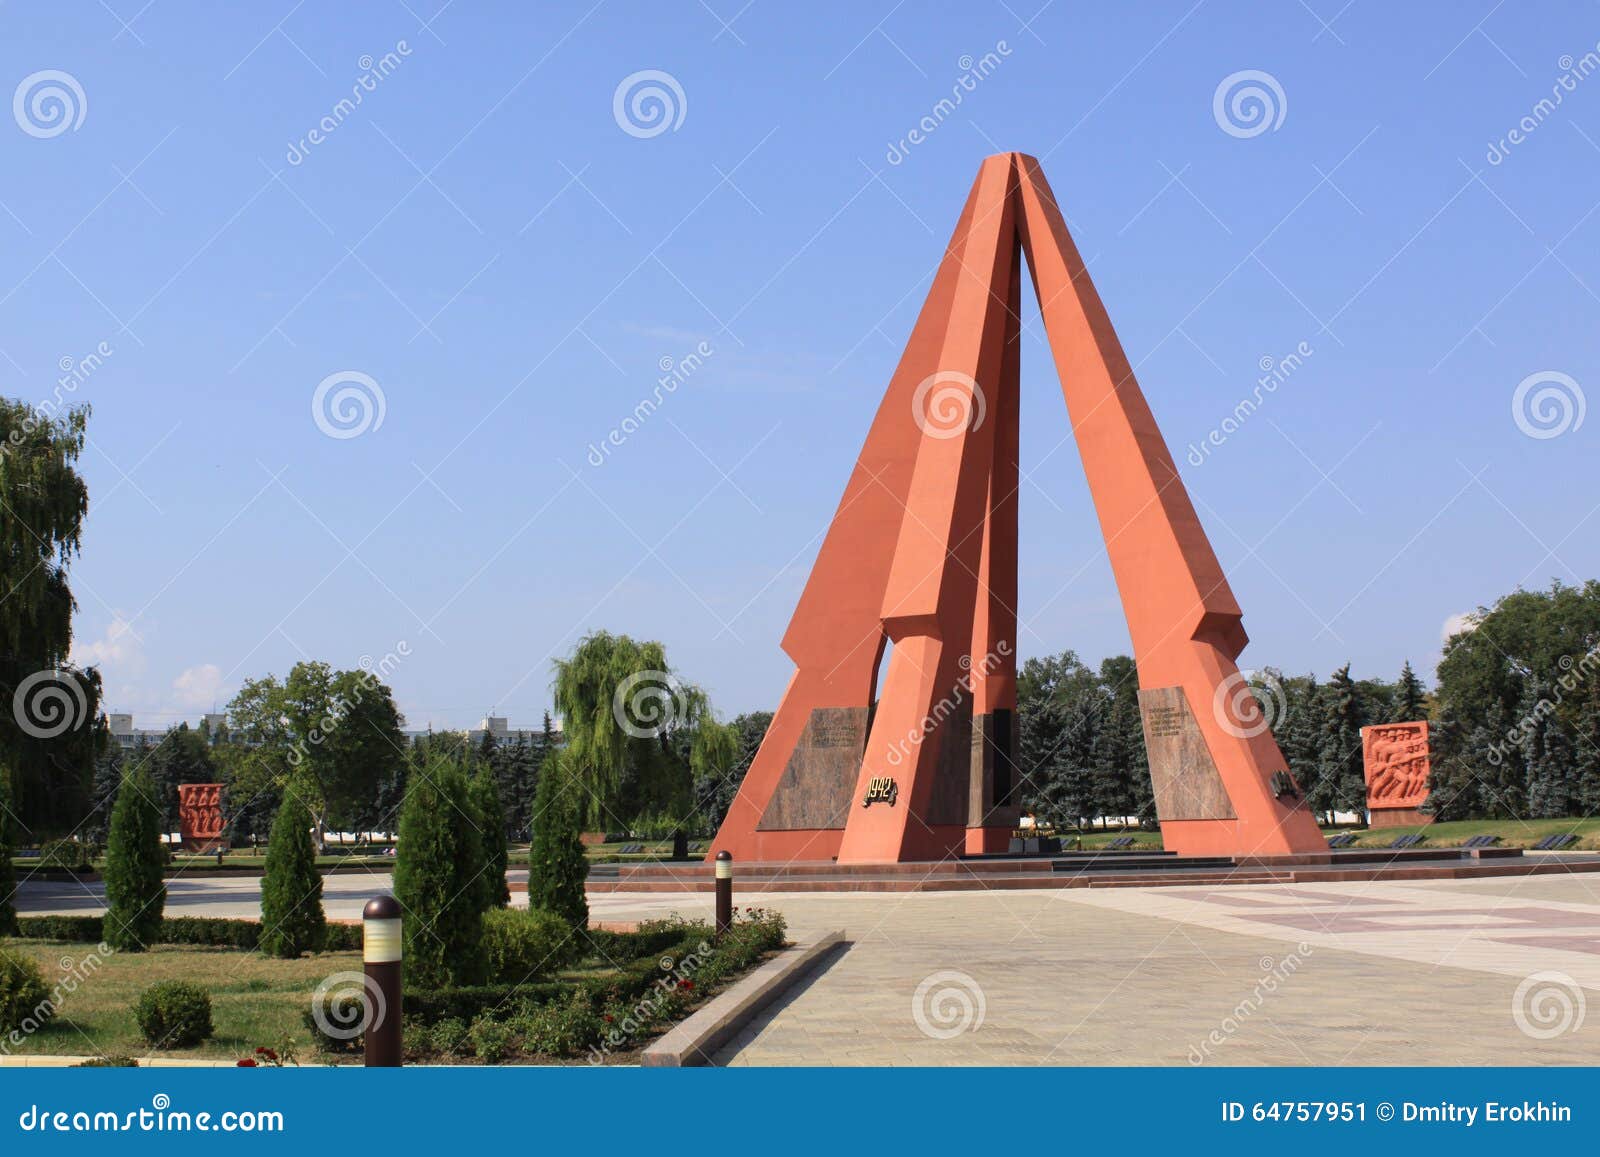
(136, 892)
(292, 920)
(1341, 784)
(8, 874)
(557, 867)
(491, 818)
(437, 877)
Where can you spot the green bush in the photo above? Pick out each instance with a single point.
(491, 1039)
(116, 1062)
(67, 855)
(520, 945)
(450, 1037)
(22, 990)
(135, 862)
(174, 1014)
(561, 1028)
(557, 867)
(206, 931)
(438, 878)
(292, 920)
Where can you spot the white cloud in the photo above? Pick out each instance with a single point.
(198, 688)
(1456, 624)
(119, 652)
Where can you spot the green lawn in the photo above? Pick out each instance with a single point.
(254, 1000)
(1512, 833)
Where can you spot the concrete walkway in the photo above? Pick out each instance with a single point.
(1464, 972)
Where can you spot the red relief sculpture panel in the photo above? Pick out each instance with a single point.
(1396, 764)
(199, 813)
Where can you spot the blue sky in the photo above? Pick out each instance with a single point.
(483, 239)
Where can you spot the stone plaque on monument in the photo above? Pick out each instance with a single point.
(1187, 786)
(819, 781)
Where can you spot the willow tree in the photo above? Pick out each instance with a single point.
(50, 736)
(637, 735)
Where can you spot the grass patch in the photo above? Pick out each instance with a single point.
(1512, 833)
(254, 1000)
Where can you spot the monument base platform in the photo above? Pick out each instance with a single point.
(1091, 870)
(1396, 817)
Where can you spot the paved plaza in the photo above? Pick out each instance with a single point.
(1467, 972)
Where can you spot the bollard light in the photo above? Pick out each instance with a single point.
(724, 892)
(380, 958)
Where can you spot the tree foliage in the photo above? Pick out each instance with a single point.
(438, 877)
(292, 918)
(557, 867)
(136, 892)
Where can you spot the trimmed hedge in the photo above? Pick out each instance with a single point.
(205, 931)
(174, 1014)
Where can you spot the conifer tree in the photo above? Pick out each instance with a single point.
(491, 819)
(292, 919)
(437, 878)
(557, 866)
(136, 892)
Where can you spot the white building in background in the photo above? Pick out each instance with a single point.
(125, 734)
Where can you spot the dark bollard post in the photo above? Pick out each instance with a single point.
(380, 956)
(724, 892)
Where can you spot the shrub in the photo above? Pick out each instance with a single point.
(292, 920)
(437, 878)
(491, 816)
(519, 946)
(174, 1014)
(135, 859)
(450, 1037)
(67, 855)
(208, 931)
(22, 990)
(557, 868)
(491, 1039)
(338, 1008)
(8, 874)
(116, 1062)
(560, 1028)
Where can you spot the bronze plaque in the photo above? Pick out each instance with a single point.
(819, 781)
(1187, 786)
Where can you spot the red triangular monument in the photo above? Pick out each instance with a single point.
(922, 553)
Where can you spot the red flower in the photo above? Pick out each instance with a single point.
(686, 984)
(609, 1018)
(247, 1063)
